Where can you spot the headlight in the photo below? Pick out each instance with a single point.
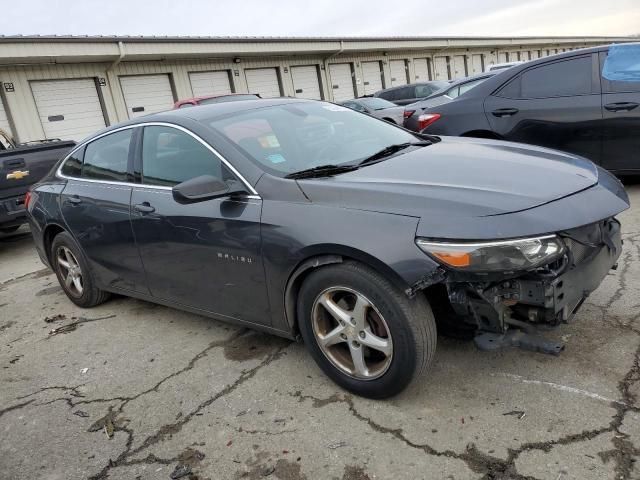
(507, 255)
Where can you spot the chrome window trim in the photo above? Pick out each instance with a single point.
(253, 193)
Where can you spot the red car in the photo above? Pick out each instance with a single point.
(209, 99)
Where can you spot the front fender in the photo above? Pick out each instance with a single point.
(295, 232)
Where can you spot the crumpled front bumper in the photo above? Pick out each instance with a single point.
(551, 295)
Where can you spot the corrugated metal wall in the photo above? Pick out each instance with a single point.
(21, 107)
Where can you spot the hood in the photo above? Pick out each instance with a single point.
(458, 178)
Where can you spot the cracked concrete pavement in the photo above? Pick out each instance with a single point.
(133, 390)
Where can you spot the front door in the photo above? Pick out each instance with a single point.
(204, 255)
(621, 108)
(95, 206)
(555, 105)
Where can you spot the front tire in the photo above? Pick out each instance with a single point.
(363, 332)
(73, 272)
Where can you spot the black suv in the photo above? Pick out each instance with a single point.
(584, 102)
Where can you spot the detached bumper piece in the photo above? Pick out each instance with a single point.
(507, 310)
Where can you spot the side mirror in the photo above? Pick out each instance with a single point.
(205, 187)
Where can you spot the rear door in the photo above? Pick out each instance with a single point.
(95, 207)
(210, 83)
(621, 108)
(68, 109)
(441, 68)
(556, 105)
(204, 255)
(264, 82)
(146, 94)
(372, 77)
(398, 70)
(306, 82)
(422, 69)
(342, 85)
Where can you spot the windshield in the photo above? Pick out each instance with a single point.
(227, 98)
(375, 103)
(297, 136)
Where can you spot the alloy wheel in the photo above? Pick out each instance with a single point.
(352, 333)
(70, 271)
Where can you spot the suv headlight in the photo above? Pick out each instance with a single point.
(494, 256)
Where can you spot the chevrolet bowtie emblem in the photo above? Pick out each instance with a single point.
(17, 175)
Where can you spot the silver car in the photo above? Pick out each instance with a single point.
(377, 107)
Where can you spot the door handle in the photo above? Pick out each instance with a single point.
(144, 207)
(504, 112)
(621, 106)
(74, 199)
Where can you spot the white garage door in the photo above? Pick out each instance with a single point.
(441, 68)
(502, 57)
(210, 83)
(263, 81)
(146, 94)
(421, 67)
(458, 69)
(305, 82)
(476, 64)
(68, 109)
(398, 72)
(371, 77)
(4, 120)
(341, 81)
(535, 54)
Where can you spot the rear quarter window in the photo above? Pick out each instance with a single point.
(107, 158)
(72, 166)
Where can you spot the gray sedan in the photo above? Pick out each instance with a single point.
(377, 107)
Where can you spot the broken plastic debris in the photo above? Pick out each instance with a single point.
(84, 370)
(180, 471)
(516, 413)
(340, 444)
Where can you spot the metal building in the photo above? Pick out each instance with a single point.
(69, 87)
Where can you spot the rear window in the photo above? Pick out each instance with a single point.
(558, 79)
(72, 166)
(107, 157)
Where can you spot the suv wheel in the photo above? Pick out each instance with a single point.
(363, 332)
(73, 272)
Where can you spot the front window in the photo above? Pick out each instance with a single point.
(288, 138)
(171, 156)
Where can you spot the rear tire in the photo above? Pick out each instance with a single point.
(72, 269)
(375, 354)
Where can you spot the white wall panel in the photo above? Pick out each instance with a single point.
(68, 109)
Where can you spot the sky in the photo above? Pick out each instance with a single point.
(322, 17)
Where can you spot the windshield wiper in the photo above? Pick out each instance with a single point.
(391, 149)
(322, 171)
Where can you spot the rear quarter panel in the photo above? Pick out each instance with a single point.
(43, 212)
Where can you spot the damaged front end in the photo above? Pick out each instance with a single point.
(503, 306)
